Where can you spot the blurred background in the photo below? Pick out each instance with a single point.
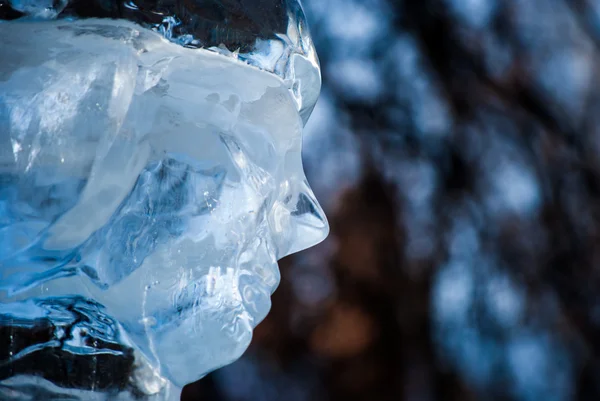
(455, 149)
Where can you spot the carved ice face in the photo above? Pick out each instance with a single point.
(160, 181)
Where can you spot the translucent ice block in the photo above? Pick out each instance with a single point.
(147, 190)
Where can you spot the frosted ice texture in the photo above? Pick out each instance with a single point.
(146, 192)
(269, 34)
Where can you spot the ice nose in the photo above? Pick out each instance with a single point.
(298, 221)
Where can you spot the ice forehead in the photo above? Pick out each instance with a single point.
(269, 34)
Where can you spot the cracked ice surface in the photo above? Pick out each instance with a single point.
(147, 191)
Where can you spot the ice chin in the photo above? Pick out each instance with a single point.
(157, 182)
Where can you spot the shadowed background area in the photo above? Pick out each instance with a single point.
(455, 149)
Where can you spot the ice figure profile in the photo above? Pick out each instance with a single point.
(150, 178)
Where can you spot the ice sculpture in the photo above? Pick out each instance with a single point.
(150, 178)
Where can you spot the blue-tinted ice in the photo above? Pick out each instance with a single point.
(147, 190)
